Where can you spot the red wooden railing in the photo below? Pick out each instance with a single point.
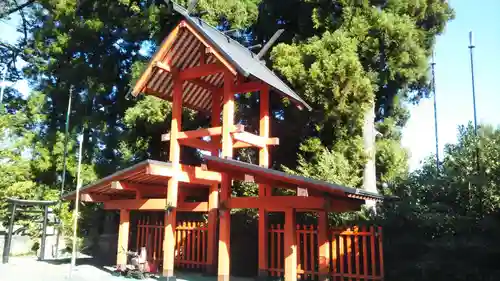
(190, 247)
(355, 254)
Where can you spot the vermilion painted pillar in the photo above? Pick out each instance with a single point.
(213, 197)
(123, 232)
(264, 190)
(173, 184)
(324, 246)
(290, 246)
(224, 265)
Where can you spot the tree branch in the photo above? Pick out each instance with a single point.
(16, 9)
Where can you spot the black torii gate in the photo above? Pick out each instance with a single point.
(26, 203)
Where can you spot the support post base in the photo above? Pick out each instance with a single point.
(223, 278)
(167, 278)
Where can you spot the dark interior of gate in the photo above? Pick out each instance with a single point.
(356, 252)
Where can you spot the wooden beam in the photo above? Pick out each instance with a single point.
(193, 207)
(199, 144)
(198, 175)
(200, 71)
(254, 140)
(276, 203)
(187, 174)
(90, 197)
(240, 144)
(246, 87)
(154, 204)
(124, 185)
(205, 132)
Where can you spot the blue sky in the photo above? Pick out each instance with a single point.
(453, 83)
(453, 80)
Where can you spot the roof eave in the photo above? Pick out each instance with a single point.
(112, 176)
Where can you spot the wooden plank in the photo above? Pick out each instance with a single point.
(275, 203)
(205, 132)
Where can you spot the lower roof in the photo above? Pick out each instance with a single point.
(154, 176)
(273, 176)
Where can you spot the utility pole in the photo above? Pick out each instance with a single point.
(433, 63)
(478, 186)
(471, 48)
(66, 132)
(65, 153)
(77, 204)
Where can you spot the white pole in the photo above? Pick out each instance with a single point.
(77, 203)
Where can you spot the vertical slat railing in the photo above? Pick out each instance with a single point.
(190, 237)
(356, 253)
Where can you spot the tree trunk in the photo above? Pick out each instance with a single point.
(369, 172)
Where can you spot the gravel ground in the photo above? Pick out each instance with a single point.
(28, 268)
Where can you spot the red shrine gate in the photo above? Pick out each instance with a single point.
(355, 253)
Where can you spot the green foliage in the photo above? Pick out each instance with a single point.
(446, 226)
(351, 54)
(325, 164)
